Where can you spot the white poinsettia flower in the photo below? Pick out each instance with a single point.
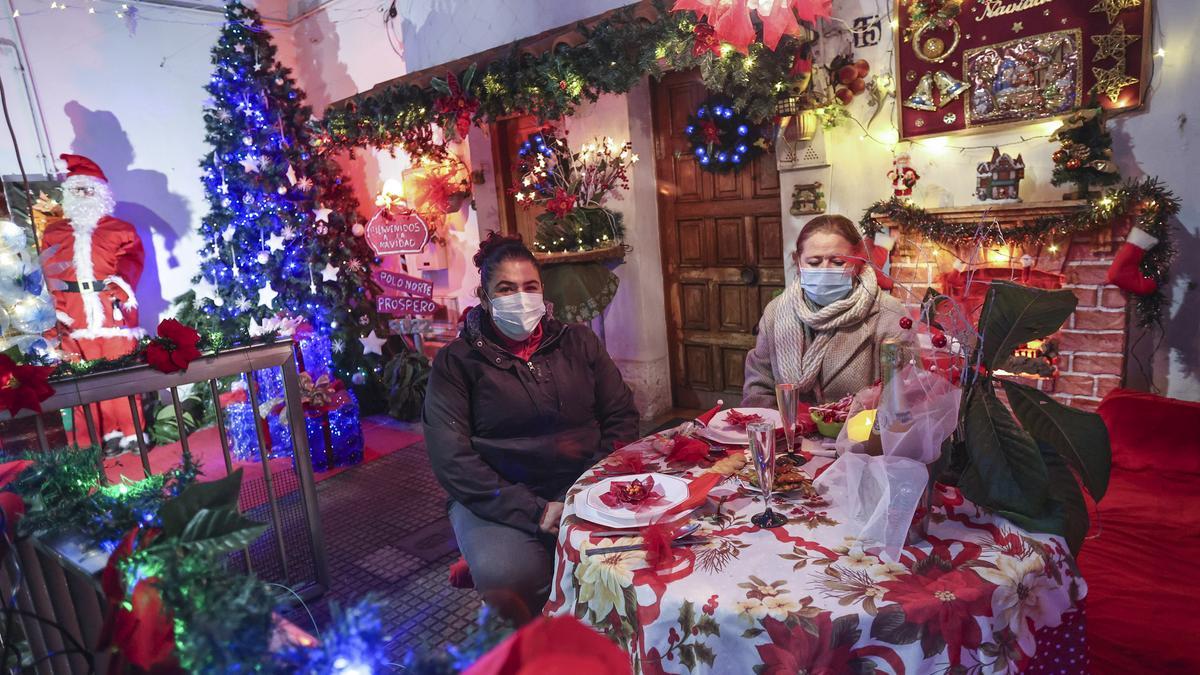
(856, 559)
(885, 571)
(780, 606)
(604, 578)
(1022, 592)
(751, 608)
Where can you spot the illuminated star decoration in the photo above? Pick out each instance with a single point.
(251, 165)
(337, 346)
(305, 184)
(1112, 8)
(288, 232)
(1113, 45)
(372, 343)
(267, 295)
(1111, 81)
(1018, 27)
(228, 232)
(275, 242)
(321, 214)
(243, 305)
(329, 273)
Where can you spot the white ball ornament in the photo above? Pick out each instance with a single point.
(32, 315)
(264, 257)
(358, 230)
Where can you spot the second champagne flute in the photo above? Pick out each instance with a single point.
(787, 397)
(762, 448)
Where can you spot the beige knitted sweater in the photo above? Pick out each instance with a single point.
(851, 364)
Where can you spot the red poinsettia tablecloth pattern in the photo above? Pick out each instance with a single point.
(978, 595)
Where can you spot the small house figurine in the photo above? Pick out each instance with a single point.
(903, 176)
(807, 199)
(1000, 178)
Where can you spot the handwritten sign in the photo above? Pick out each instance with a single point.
(394, 281)
(397, 233)
(405, 306)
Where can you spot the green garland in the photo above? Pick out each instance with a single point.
(614, 57)
(1159, 206)
(211, 343)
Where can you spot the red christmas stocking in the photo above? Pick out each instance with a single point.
(880, 249)
(1125, 272)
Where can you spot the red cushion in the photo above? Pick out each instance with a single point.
(1149, 432)
(1139, 567)
(460, 574)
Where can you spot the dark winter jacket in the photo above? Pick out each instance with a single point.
(507, 436)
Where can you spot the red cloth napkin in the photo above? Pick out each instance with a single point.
(559, 644)
(682, 450)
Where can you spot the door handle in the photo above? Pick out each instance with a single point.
(749, 276)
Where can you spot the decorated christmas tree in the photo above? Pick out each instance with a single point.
(1085, 155)
(282, 237)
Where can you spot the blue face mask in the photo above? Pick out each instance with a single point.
(825, 285)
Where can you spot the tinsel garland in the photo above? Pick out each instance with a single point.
(1158, 202)
(613, 58)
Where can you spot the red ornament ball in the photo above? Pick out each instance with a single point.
(1059, 156)
(905, 322)
(940, 341)
(1073, 163)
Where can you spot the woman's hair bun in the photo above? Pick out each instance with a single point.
(498, 243)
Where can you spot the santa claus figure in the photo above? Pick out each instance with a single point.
(102, 261)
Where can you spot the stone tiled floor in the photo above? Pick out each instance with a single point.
(387, 536)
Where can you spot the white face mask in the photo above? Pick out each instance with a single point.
(825, 285)
(517, 315)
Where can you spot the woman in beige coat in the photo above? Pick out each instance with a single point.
(824, 332)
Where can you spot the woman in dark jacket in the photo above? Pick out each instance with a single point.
(518, 407)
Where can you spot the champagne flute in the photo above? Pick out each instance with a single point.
(762, 447)
(787, 398)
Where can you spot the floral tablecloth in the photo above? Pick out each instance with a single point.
(979, 595)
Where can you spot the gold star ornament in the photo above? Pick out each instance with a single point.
(1112, 8)
(1110, 81)
(1113, 45)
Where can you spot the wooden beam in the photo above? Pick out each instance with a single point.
(566, 35)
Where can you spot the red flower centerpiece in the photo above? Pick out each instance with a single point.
(23, 387)
(686, 450)
(561, 204)
(174, 348)
(634, 495)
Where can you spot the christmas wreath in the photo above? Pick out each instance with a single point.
(722, 138)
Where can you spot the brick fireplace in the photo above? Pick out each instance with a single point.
(1092, 344)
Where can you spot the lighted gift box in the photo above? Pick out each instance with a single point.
(340, 422)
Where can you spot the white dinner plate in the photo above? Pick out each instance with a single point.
(589, 507)
(719, 431)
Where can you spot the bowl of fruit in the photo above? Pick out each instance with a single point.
(831, 417)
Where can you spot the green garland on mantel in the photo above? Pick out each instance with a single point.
(614, 56)
(1159, 205)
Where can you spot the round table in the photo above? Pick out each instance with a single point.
(978, 595)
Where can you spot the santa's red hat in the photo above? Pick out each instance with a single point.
(78, 165)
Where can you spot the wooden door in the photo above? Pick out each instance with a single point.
(722, 249)
(507, 136)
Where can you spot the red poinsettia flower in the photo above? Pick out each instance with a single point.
(945, 604)
(554, 645)
(797, 649)
(709, 130)
(23, 387)
(457, 103)
(12, 506)
(142, 631)
(561, 204)
(624, 464)
(174, 348)
(705, 40)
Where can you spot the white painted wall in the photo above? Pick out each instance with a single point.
(129, 96)
(1157, 140)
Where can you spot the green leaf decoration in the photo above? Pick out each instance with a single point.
(1014, 314)
(687, 656)
(178, 513)
(1005, 469)
(214, 531)
(752, 633)
(891, 626)
(704, 654)
(1066, 512)
(1079, 436)
(687, 617)
(708, 626)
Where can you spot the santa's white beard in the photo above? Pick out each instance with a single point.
(86, 211)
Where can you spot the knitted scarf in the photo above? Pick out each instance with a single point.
(799, 362)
